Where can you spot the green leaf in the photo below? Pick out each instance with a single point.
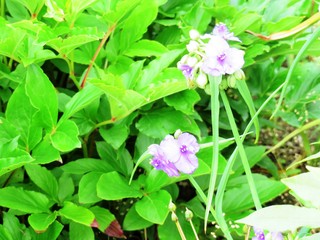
(12, 226)
(45, 153)
(42, 96)
(133, 221)
(112, 186)
(81, 99)
(146, 48)
(116, 135)
(77, 214)
(66, 187)
(44, 179)
(53, 232)
(65, 137)
(40, 222)
(84, 165)
(78, 231)
(27, 201)
(5, 234)
(103, 216)
(20, 113)
(154, 207)
(306, 186)
(183, 101)
(159, 123)
(279, 218)
(238, 196)
(88, 188)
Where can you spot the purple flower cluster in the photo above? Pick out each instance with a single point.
(259, 235)
(211, 54)
(175, 155)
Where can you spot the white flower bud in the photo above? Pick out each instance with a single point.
(172, 207)
(184, 59)
(176, 135)
(239, 75)
(194, 34)
(193, 46)
(188, 214)
(202, 80)
(174, 217)
(192, 61)
(231, 81)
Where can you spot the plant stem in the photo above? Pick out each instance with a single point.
(194, 230)
(103, 41)
(2, 8)
(306, 143)
(215, 107)
(242, 152)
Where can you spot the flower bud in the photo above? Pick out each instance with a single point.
(172, 207)
(174, 217)
(193, 46)
(176, 135)
(202, 80)
(194, 34)
(231, 81)
(188, 214)
(239, 75)
(224, 84)
(192, 61)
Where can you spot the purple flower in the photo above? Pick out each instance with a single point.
(259, 234)
(221, 59)
(175, 155)
(221, 30)
(160, 161)
(186, 70)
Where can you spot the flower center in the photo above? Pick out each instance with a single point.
(221, 58)
(183, 149)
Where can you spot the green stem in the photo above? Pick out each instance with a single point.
(306, 143)
(2, 8)
(194, 230)
(143, 157)
(215, 107)
(305, 46)
(242, 152)
(227, 172)
(201, 193)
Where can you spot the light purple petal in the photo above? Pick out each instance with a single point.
(234, 60)
(277, 236)
(190, 141)
(216, 46)
(187, 163)
(170, 148)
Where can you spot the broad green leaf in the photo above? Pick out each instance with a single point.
(159, 123)
(238, 196)
(5, 234)
(131, 31)
(133, 221)
(112, 186)
(12, 159)
(183, 101)
(145, 48)
(41, 221)
(78, 231)
(65, 137)
(20, 113)
(77, 214)
(42, 96)
(103, 216)
(154, 207)
(12, 226)
(44, 179)
(53, 232)
(281, 218)
(306, 186)
(84, 165)
(64, 46)
(116, 135)
(66, 187)
(88, 188)
(45, 153)
(27, 201)
(247, 21)
(122, 101)
(81, 99)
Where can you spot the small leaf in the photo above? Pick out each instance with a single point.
(41, 221)
(78, 231)
(44, 179)
(281, 218)
(23, 200)
(84, 165)
(154, 207)
(88, 188)
(103, 217)
(112, 186)
(114, 230)
(133, 221)
(45, 153)
(65, 138)
(146, 48)
(53, 232)
(77, 214)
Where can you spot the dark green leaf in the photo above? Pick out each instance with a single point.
(77, 214)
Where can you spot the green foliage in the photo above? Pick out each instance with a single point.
(87, 86)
